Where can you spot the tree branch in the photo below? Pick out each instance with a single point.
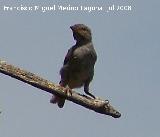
(98, 105)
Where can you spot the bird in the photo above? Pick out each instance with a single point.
(78, 65)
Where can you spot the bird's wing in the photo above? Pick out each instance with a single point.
(69, 55)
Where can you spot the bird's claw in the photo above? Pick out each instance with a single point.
(68, 91)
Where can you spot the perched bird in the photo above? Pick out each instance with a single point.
(78, 66)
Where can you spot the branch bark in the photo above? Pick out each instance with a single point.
(98, 105)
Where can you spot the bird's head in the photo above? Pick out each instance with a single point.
(81, 32)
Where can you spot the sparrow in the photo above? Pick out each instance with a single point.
(78, 65)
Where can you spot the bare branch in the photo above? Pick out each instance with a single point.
(98, 105)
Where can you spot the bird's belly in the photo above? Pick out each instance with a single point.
(77, 79)
(75, 84)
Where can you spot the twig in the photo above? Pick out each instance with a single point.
(98, 105)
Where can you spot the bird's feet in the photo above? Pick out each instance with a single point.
(68, 91)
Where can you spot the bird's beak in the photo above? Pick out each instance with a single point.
(71, 27)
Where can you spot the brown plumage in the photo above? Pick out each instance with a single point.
(78, 66)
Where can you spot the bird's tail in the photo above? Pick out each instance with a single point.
(60, 101)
